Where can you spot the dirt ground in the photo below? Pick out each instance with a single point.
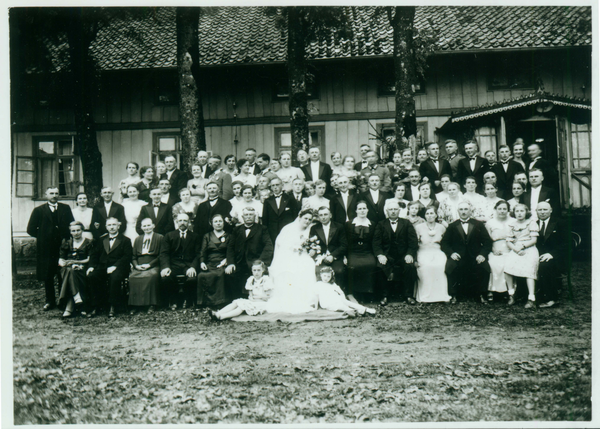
(430, 362)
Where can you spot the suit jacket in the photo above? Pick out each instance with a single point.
(99, 215)
(103, 256)
(254, 169)
(358, 166)
(482, 166)
(178, 181)
(376, 212)
(395, 245)
(506, 178)
(163, 222)
(339, 211)
(555, 242)
(336, 242)
(325, 173)
(475, 243)
(408, 195)
(176, 252)
(205, 213)
(49, 229)
(275, 219)
(427, 169)
(224, 181)
(549, 171)
(173, 199)
(546, 194)
(154, 250)
(454, 164)
(242, 251)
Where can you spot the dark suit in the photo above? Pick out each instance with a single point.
(427, 169)
(506, 178)
(99, 216)
(205, 213)
(276, 218)
(408, 194)
(466, 276)
(163, 223)
(178, 181)
(547, 194)
(464, 170)
(224, 181)
(359, 166)
(49, 228)
(172, 200)
(325, 173)
(376, 213)
(104, 256)
(395, 246)
(254, 169)
(336, 245)
(242, 251)
(554, 241)
(548, 170)
(179, 255)
(339, 212)
(454, 164)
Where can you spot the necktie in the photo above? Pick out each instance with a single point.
(542, 228)
(53, 207)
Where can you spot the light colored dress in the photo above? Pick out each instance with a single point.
(85, 217)
(197, 189)
(498, 232)
(237, 210)
(477, 202)
(250, 179)
(132, 212)
(258, 296)
(526, 265)
(433, 284)
(488, 211)
(332, 298)
(448, 210)
(315, 203)
(288, 175)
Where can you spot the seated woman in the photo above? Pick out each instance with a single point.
(332, 298)
(132, 206)
(74, 256)
(518, 189)
(399, 189)
(498, 230)
(187, 205)
(213, 260)
(83, 214)
(425, 199)
(248, 200)
(133, 178)
(144, 280)
(147, 183)
(318, 200)
(197, 185)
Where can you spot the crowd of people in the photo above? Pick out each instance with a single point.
(258, 234)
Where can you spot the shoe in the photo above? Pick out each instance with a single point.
(151, 309)
(483, 300)
(47, 307)
(383, 302)
(530, 304)
(453, 301)
(411, 301)
(370, 311)
(67, 314)
(548, 304)
(490, 297)
(111, 313)
(83, 314)
(213, 315)
(511, 300)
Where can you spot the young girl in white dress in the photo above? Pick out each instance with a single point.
(332, 298)
(260, 287)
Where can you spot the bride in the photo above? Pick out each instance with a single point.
(293, 270)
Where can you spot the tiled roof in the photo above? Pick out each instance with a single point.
(245, 35)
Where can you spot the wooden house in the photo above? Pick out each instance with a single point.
(498, 73)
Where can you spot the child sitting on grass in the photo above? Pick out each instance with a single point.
(332, 298)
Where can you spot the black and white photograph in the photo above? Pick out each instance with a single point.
(319, 216)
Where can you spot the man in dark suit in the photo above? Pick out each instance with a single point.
(505, 171)
(467, 245)
(412, 192)
(316, 169)
(249, 242)
(473, 165)
(279, 209)
(202, 161)
(298, 192)
(206, 210)
(375, 200)
(453, 156)
(177, 178)
(105, 209)
(549, 171)
(49, 224)
(168, 197)
(364, 162)
(333, 244)
(109, 262)
(395, 245)
(434, 167)
(180, 256)
(538, 193)
(342, 203)
(250, 156)
(552, 245)
(160, 213)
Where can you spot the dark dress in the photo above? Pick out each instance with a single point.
(361, 260)
(211, 283)
(144, 286)
(74, 281)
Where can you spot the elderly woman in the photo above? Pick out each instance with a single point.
(498, 229)
(144, 280)
(73, 258)
(133, 178)
(213, 260)
(187, 205)
(399, 191)
(361, 260)
(147, 183)
(248, 200)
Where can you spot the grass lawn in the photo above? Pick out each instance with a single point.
(432, 362)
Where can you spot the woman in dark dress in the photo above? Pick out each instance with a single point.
(213, 260)
(361, 260)
(147, 183)
(74, 256)
(144, 280)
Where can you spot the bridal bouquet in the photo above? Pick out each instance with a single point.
(312, 246)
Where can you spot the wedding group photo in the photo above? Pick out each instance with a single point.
(301, 215)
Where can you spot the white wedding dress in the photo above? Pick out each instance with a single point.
(293, 273)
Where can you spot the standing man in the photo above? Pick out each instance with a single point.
(473, 165)
(177, 178)
(538, 193)
(179, 256)
(375, 199)
(167, 197)
(434, 167)
(302, 157)
(395, 245)
(279, 209)
(490, 155)
(343, 202)
(505, 171)
(105, 209)
(374, 168)
(160, 213)
(250, 156)
(452, 156)
(263, 161)
(206, 210)
(202, 159)
(298, 191)
(49, 224)
(110, 261)
(467, 245)
(364, 149)
(333, 243)
(317, 170)
(550, 176)
(220, 177)
(412, 192)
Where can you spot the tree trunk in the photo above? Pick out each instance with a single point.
(402, 21)
(81, 33)
(296, 63)
(191, 116)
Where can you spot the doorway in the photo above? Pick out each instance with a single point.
(541, 131)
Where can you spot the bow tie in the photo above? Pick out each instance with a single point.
(473, 159)
(434, 159)
(113, 238)
(505, 162)
(278, 196)
(465, 221)
(393, 222)
(156, 205)
(248, 228)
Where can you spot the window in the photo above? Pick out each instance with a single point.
(54, 164)
(283, 140)
(166, 144)
(486, 137)
(511, 72)
(281, 90)
(580, 146)
(386, 87)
